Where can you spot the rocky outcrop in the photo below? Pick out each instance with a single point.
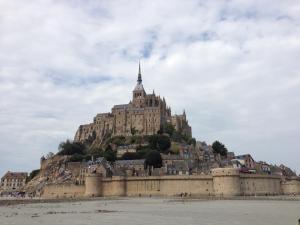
(53, 171)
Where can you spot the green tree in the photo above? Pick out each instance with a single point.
(118, 140)
(71, 148)
(159, 142)
(79, 158)
(130, 156)
(109, 154)
(192, 141)
(176, 136)
(32, 174)
(169, 129)
(153, 158)
(136, 139)
(220, 148)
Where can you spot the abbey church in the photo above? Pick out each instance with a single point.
(145, 114)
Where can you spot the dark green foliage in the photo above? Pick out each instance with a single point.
(135, 140)
(130, 156)
(79, 158)
(71, 148)
(32, 174)
(192, 141)
(176, 136)
(220, 148)
(95, 152)
(153, 158)
(159, 142)
(118, 140)
(169, 129)
(142, 151)
(109, 154)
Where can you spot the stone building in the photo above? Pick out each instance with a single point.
(13, 180)
(145, 114)
(134, 167)
(121, 150)
(246, 160)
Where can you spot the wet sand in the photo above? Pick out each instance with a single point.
(149, 211)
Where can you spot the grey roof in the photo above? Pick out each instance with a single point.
(181, 165)
(102, 114)
(15, 175)
(123, 106)
(171, 157)
(243, 156)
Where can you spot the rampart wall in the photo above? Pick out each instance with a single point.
(63, 191)
(222, 183)
(291, 186)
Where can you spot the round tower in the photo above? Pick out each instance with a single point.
(93, 185)
(226, 182)
(290, 187)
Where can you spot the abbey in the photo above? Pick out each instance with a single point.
(145, 114)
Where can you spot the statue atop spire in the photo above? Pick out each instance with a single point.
(139, 74)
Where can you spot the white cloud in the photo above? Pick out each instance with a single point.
(233, 65)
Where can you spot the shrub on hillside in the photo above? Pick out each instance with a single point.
(71, 148)
(79, 158)
(153, 158)
(220, 148)
(130, 156)
(159, 142)
(32, 174)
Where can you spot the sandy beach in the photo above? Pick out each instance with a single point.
(146, 211)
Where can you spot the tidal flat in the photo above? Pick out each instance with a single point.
(149, 211)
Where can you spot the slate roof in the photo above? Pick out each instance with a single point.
(14, 175)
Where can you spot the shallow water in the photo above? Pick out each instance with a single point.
(145, 211)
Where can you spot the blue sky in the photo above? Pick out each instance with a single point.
(233, 65)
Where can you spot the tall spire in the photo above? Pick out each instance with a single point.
(140, 74)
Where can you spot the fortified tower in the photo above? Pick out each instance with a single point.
(226, 182)
(93, 185)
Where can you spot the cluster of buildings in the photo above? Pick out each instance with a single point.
(191, 160)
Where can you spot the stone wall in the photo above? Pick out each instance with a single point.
(291, 186)
(223, 182)
(63, 191)
(169, 185)
(253, 184)
(115, 186)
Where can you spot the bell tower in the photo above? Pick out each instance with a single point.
(139, 94)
